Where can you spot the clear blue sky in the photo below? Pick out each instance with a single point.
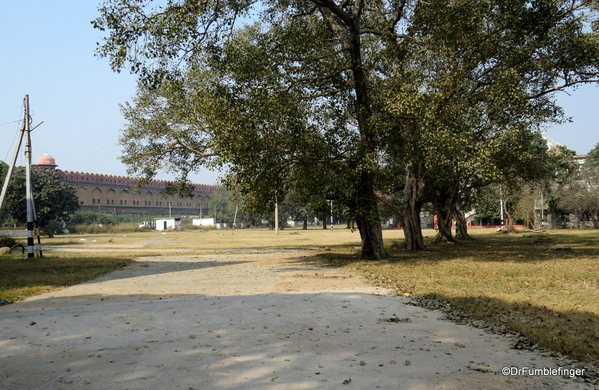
(47, 51)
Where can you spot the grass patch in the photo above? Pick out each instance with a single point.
(509, 281)
(22, 277)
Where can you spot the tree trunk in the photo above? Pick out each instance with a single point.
(347, 28)
(510, 222)
(461, 224)
(371, 235)
(324, 223)
(412, 230)
(411, 214)
(305, 226)
(444, 224)
(594, 220)
(368, 220)
(407, 213)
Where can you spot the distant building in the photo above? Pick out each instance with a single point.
(213, 223)
(580, 159)
(116, 194)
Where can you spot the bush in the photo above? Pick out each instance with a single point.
(108, 229)
(54, 227)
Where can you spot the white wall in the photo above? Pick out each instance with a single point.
(203, 221)
(168, 224)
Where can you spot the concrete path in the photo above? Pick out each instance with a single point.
(248, 321)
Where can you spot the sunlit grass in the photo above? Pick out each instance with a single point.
(22, 277)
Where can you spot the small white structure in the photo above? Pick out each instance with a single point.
(209, 223)
(205, 222)
(168, 224)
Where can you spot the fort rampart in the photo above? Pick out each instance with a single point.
(119, 195)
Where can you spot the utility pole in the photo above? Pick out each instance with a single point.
(29, 198)
(31, 219)
(12, 166)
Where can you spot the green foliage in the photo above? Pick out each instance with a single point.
(3, 170)
(537, 174)
(54, 227)
(219, 207)
(414, 101)
(5, 218)
(580, 194)
(54, 200)
(592, 160)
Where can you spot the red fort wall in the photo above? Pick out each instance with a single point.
(116, 194)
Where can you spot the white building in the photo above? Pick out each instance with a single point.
(209, 223)
(168, 224)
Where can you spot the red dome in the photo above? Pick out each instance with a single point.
(46, 159)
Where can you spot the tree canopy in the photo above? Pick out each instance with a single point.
(404, 102)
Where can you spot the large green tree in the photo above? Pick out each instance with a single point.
(481, 87)
(274, 83)
(54, 200)
(380, 98)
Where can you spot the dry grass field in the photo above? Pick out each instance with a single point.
(515, 283)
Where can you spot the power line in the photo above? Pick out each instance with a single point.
(8, 123)
(13, 141)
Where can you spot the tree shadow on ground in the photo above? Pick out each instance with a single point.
(488, 248)
(571, 333)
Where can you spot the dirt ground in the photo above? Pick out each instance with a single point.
(252, 320)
